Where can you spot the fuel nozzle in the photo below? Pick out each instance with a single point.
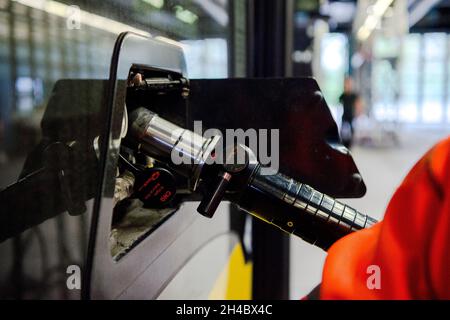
(292, 206)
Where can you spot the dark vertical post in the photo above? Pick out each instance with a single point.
(267, 58)
(12, 57)
(31, 47)
(237, 38)
(17, 244)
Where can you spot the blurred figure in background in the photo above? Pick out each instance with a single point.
(348, 99)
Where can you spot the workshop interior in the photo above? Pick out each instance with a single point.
(204, 149)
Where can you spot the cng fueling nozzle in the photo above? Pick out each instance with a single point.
(294, 207)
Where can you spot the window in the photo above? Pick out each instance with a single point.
(434, 51)
(334, 55)
(411, 84)
(409, 79)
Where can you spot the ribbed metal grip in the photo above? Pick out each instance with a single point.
(299, 209)
(326, 208)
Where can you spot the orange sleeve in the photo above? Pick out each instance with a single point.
(411, 246)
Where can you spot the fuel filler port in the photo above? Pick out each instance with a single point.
(145, 191)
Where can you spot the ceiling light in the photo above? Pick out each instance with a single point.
(93, 20)
(373, 19)
(185, 15)
(155, 3)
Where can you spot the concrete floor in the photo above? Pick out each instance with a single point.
(382, 169)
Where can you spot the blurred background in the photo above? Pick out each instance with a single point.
(395, 55)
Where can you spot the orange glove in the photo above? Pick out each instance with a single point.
(407, 255)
